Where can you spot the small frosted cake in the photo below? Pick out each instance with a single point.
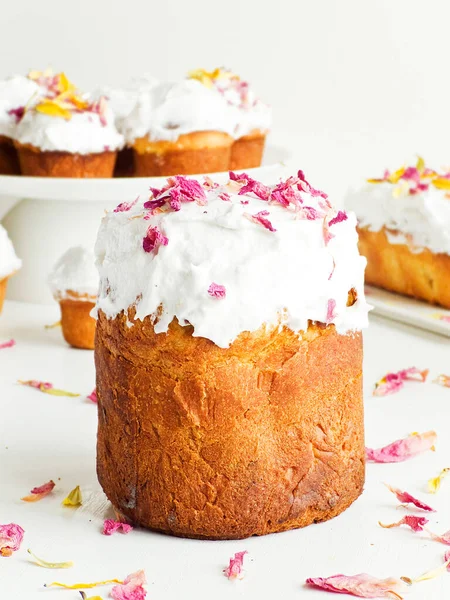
(180, 128)
(15, 92)
(253, 117)
(67, 136)
(74, 284)
(9, 263)
(229, 358)
(404, 231)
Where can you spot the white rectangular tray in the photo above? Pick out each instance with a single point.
(410, 311)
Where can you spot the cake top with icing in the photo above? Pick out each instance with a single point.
(250, 112)
(413, 203)
(9, 263)
(15, 92)
(75, 271)
(68, 122)
(171, 109)
(231, 258)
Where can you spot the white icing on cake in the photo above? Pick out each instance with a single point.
(15, 92)
(84, 133)
(74, 271)
(424, 216)
(169, 110)
(291, 273)
(9, 263)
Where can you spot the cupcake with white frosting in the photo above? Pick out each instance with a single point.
(229, 358)
(253, 117)
(404, 231)
(180, 128)
(9, 263)
(68, 136)
(74, 285)
(15, 93)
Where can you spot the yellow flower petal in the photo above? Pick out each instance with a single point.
(52, 109)
(435, 482)
(441, 183)
(376, 180)
(53, 325)
(84, 597)
(55, 392)
(396, 175)
(50, 565)
(74, 498)
(64, 84)
(401, 189)
(79, 586)
(420, 166)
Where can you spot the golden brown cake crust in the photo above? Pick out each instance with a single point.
(394, 267)
(9, 162)
(200, 441)
(192, 153)
(247, 151)
(77, 325)
(36, 163)
(3, 286)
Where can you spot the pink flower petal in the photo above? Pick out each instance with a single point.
(393, 382)
(11, 537)
(406, 498)
(37, 493)
(8, 344)
(131, 589)
(250, 185)
(447, 559)
(260, 218)
(178, 189)
(403, 449)
(217, 291)
(38, 385)
(93, 396)
(153, 239)
(415, 523)
(17, 113)
(110, 526)
(443, 539)
(361, 585)
(224, 196)
(234, 569)
(308, 187)
(339, 218)
(125, 206)
(331, 310)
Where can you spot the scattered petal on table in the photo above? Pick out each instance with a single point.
(443, 380)
(93, 395)
(234, 569)
(53, 325)
(361, 585)
(132, 588)
(393, 382)
(406, 498)
(74, 498)
(50, 565)
(443, 539)
(110, 526)
(435, 482)
(40, 492)
(79, 586)
(11, 537)
(416, 523)
(403, 449)
(47, 388)
(8, 344)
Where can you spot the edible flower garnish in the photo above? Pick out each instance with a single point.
(153, 239)
(47, 388)
(443, 539)
(50, 565)
(208, 77)
(11, 537)
(403, 449)
(8, 344)
(339, 218)
(93, 396)
(416, 523)
(53, 325)
(17, 113)
(74, 498)
(406, 498)
(331, 310)
(413, 180)
(443, 380)
(361, 585)
(40, 492)
(249, 185)
(178, 189)
(260, 218)
(234, 569)
(393, 382)
(430, 574)
(217, 291)
(132, 588)
(435, 482)
(125, 206)
(79, 586)
(110, 526)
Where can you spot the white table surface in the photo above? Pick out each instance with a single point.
(44, 437)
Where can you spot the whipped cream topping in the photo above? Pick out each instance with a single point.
(75, 272)
(251, 114)
(15, 92)
(9, 263)
(415, 208)
(85, 132)
(168, 110)
(231, 258)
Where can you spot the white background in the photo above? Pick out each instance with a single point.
(360, 84)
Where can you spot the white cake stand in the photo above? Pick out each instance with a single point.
(50, 215)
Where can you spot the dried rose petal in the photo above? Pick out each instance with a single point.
(153, 239)
(177, 190)
(435, 482)
(361, 585)
(447, 559)
(443, 380)
(11, 537)
(339, 218)
(403, 449)
(8, 344)
(132, 588)
(40, 492)
(217, 291)
(74, 498)
(17, 113)
(125, 206)
(406, 498)
(443, 539)
(93, 396)
(234, 569)
(250, 185)
(260, 218)
(331, 310)
(393, 382)
(47, 388)
(416, 523)
(306, 186)
(224, 196)
(110, 526)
